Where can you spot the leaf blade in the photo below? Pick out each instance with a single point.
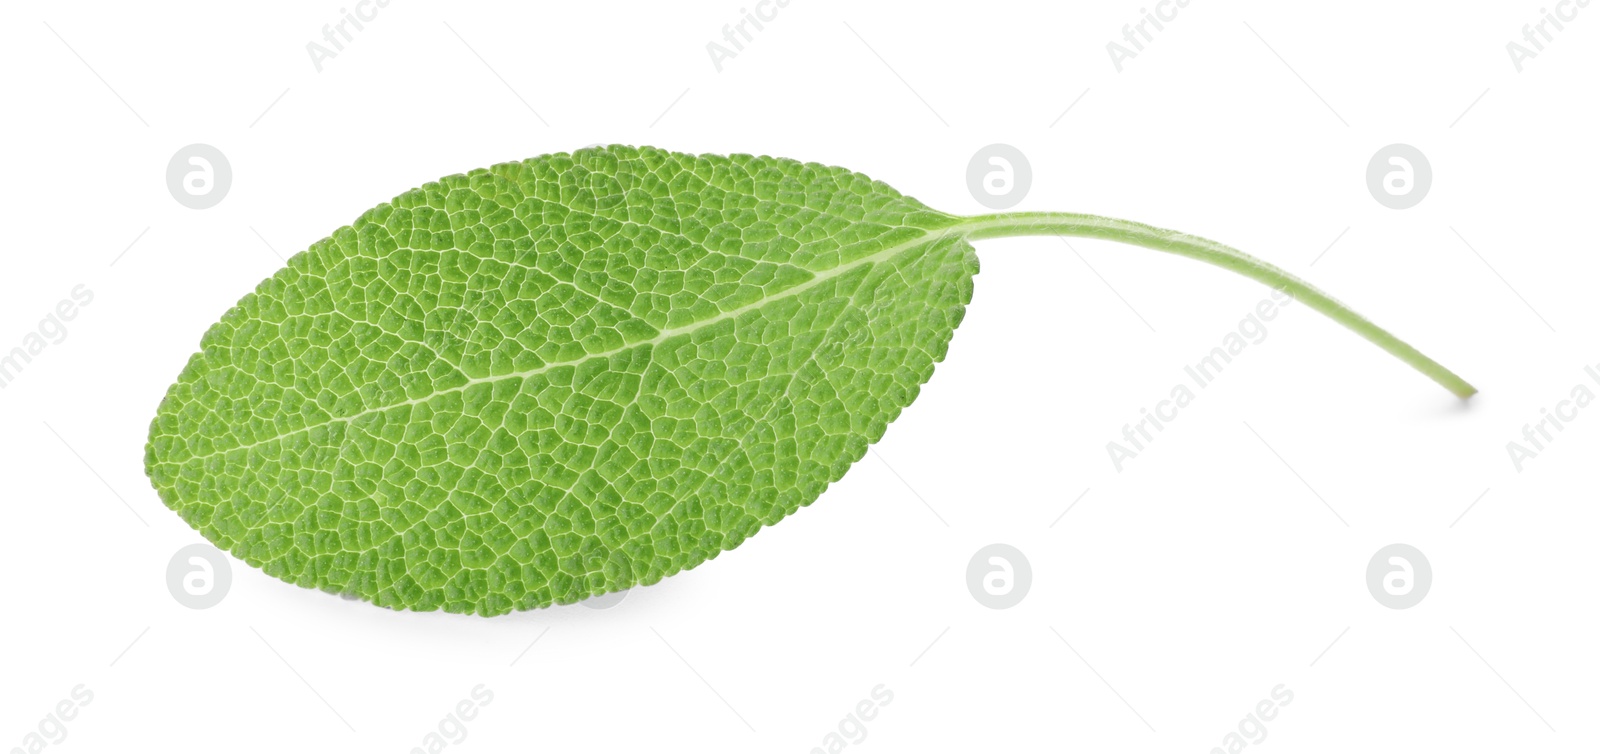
(433, 428)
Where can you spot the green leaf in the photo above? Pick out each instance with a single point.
(575, 374)
(557, 378)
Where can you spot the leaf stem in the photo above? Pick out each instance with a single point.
(1111, 229)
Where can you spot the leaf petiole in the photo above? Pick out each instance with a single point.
(1138, 234)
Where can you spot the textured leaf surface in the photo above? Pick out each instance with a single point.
(561, 377)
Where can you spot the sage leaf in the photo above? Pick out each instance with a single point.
(571, 375)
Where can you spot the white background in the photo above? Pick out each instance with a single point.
(1168, 601)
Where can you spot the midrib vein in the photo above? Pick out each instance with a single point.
(929, 236)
